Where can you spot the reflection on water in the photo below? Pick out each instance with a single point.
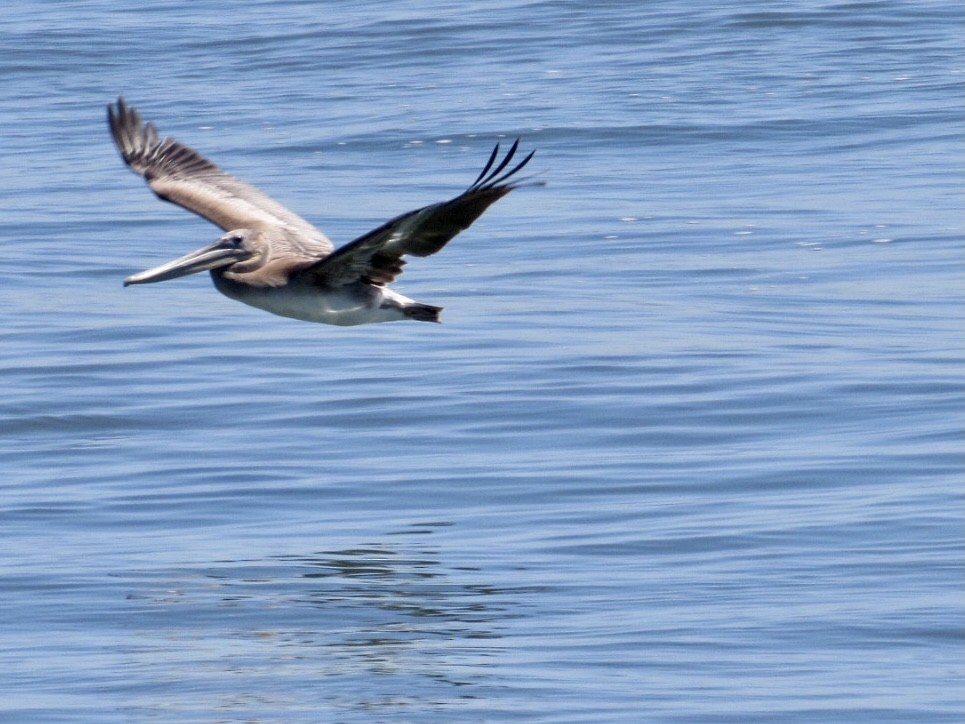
(386, 618)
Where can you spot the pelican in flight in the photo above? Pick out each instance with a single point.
(273, 259)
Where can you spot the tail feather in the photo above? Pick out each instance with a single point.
(422, 312)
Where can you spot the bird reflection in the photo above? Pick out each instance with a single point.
(377, 626)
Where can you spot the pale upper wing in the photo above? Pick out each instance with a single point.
(181, 175)
(376, 257)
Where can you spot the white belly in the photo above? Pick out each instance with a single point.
(341, 307)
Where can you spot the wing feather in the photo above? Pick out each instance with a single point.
(376, 257)
(182, 176)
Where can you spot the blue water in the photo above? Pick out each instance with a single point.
(688, 447)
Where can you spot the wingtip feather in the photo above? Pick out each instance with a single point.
(492, 177)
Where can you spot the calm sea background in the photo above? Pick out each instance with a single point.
(688, 447)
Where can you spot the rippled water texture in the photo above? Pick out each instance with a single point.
(688, 446)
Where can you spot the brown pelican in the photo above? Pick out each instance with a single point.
(273, 259)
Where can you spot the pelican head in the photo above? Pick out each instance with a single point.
(239, 251)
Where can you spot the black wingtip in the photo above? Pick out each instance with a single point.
(493, 177)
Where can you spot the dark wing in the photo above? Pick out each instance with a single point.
(376, 257)
(181, 175)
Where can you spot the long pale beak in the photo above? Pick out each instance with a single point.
(209, 257)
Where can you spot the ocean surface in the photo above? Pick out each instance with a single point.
(687, 448)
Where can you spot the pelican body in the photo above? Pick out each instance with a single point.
(273, 259)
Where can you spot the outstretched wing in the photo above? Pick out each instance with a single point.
(181, 175)
(376, 257)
